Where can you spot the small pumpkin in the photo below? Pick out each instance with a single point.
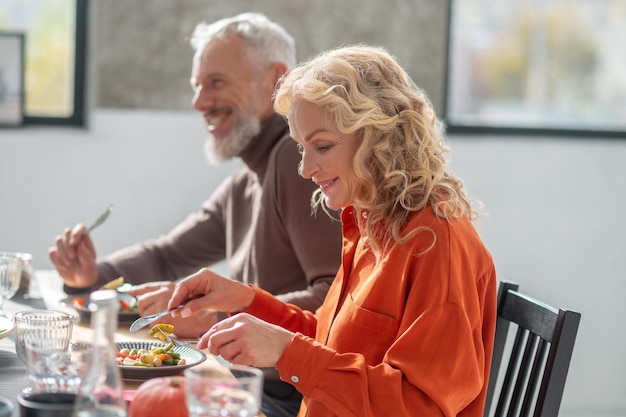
(160, 397)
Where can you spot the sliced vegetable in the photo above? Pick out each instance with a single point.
(157, 356)
(161, 331)
(124, 306)
(111, 285)
(128, 305)
(165, 359)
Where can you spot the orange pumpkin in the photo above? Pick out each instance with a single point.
(160, 397)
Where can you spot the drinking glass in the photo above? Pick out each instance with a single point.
(28, 270)
(232, 391)
(10, 275)
(6, 407)
(44, 329)
(52, 370)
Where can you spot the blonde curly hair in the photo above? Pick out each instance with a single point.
(400, 164)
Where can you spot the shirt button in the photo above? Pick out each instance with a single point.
(295, 379)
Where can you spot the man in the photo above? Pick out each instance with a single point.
(258, 220)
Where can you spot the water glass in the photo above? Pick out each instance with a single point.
(232, 391)
(10, 275)
(52, 370)
(43, 329)
(28, 270)
(6, 407)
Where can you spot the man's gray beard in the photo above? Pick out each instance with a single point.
(246, 127)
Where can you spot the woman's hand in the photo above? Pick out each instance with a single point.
(247, 340)
(74, 257)
(206, 290)
(153, 297)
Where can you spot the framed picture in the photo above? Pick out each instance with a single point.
(11, 79)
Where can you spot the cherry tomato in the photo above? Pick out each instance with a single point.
(79, 302)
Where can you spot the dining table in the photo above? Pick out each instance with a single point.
(46, 292)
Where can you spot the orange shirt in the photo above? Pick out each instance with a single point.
(411, 336)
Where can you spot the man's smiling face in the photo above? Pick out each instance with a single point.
(232, 93)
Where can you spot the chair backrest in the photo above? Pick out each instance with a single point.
(538, 358)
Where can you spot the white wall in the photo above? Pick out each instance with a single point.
(556, 226)
(150, 165)
(555, 222)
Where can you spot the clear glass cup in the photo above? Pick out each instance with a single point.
(10, 275)
(52, 370)
(6, 407)
(230, 391)
(28, 271)
(43, 329)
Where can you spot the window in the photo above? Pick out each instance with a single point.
(546, 66)
(54, 62)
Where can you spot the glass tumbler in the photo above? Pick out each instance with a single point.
(10, 275)
(42, 329)
(232, 391)
(28, 270)
(50, 370)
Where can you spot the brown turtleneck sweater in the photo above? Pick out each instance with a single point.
(258, 220)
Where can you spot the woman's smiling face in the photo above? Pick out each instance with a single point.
(327, 154)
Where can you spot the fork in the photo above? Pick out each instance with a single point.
(142, 322)
(100, 219)
(175, 341)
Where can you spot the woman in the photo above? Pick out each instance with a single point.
(407, 326)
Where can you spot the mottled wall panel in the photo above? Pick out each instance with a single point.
(141, 57)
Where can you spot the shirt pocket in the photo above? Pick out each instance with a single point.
(360, 330)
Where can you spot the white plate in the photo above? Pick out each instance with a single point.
(6, 325)
(192, 357)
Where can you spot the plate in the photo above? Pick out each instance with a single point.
(7, 325)
(85, 314)
(192, 357)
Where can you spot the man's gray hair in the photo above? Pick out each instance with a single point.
(267, 40)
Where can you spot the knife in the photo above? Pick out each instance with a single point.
(142, 322)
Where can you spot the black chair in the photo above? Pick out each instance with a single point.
(538, 358)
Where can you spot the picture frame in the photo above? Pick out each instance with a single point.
(11, 79)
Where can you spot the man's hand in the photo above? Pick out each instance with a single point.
(152, 297)
(74, 257)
